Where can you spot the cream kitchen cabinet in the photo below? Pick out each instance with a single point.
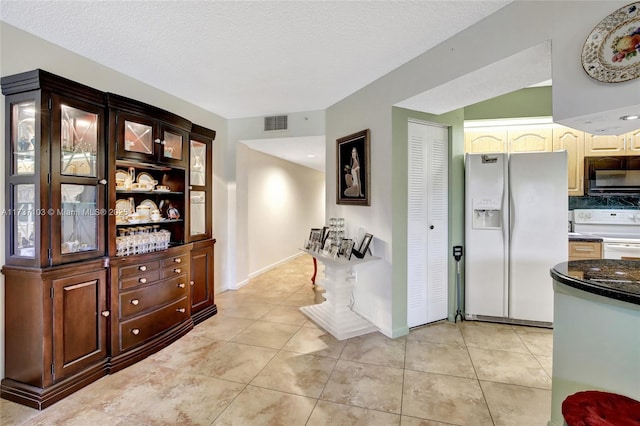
(604, 145)
(485, 140)
(572, 141)
(633, 142)
(584, 250)
(534, 139)
(509, 139)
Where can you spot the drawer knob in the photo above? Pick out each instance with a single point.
(105, 313)
(135, 331)
(143, 280)
(181, 285)
(177, 260)
(181, 310)
(191, 282)
(135, 302)
(177, 270)
(142, 268)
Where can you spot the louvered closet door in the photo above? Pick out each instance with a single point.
(427, 246)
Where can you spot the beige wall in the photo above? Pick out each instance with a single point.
(285, 200)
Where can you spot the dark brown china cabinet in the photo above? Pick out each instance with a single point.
(109, 249)
(56, 307)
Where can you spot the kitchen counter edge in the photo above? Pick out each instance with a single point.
(611, 285)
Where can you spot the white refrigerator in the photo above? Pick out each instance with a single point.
(515, 232)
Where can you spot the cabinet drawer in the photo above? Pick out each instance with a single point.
(175, 261)
(139, 268)
(139, 329)
(584, 250)
(146, 298)
(146, 277)
(174, 271)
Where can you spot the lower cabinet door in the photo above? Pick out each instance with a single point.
(201, 278)
(79, 322)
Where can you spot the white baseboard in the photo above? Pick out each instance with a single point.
(274, 265)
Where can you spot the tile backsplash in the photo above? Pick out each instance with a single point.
(610, 202)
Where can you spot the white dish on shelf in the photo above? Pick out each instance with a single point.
(123, 207)
(145, 177)
(161, 190)
(122, 174)
(150, 204)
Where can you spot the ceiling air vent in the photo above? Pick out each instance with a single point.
(277, 122)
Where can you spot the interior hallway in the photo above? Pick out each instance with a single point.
(259, 361)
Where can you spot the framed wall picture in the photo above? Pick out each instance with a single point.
(353, 169)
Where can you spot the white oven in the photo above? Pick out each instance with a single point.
(619, 230)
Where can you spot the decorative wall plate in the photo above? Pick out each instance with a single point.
(611, 53)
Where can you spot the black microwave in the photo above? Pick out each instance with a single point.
(618, 175)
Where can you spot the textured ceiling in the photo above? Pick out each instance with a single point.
(245, 58)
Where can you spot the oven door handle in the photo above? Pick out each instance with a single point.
(621, 245)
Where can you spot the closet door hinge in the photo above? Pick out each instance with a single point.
(51, 292)
(53, 371)
(50, 103)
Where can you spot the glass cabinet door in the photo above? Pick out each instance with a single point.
(23, 135)
(198, 222)
(24, 221)
(79, 142)
(198, 163)
(172, 145)
(200, 187)
(77, 180)
(78, 218)
(138, 137)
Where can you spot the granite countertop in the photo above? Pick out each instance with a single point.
(615, 279)
(573, 236)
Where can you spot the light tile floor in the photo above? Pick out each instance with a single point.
(259, 361)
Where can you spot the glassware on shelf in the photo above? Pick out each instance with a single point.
(142, 239)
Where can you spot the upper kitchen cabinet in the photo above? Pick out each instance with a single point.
(534, 139)
(148, 134)
(485, 140)
(55, 170)
(604, 145)
(633, 142)
(572, 141)
(508, 139)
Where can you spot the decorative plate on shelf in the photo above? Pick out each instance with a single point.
(149, 203)
(145, 177)
(611, 53)
(122, 174)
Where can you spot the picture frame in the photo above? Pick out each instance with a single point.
(315, 239)
(346, 248)
(353, 174)
(364, 246)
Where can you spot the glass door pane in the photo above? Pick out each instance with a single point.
(23, 134)
(172, 147)
(138, 137)
(79, 139)
(24, 220)
(78, 218)
(198, 163)
(198, 213)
